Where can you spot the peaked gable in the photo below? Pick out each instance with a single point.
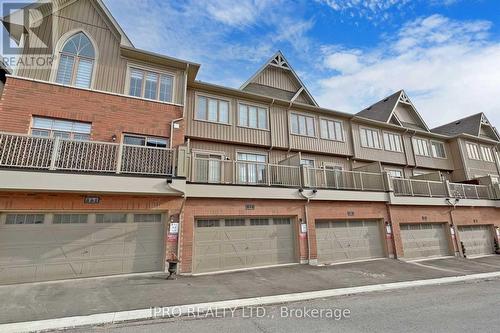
(477, 125)
(277, 79)
(396, 109)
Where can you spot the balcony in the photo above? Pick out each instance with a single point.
(56, 154)
(443, 189)
(216, 171)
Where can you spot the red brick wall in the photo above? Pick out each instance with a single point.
(109, 114)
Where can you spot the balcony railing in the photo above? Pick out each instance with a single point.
(216, 171)
(29, 152)
(343, 180)
(425, 188)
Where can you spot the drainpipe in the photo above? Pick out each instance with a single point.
(306, 213)
(453, 229)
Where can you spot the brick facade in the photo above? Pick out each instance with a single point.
(109, 114)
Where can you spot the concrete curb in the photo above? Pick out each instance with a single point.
(142, 314)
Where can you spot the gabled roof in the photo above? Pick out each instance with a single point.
(469, 125)
(384, 111)
(16, 30)
(278, 60)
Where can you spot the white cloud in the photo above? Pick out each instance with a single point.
(369, 9)
(449, 68)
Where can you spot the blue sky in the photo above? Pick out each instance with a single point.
(349, 53)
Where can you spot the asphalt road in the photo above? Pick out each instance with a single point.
(461, 307)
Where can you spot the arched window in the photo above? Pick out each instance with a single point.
(76, 62)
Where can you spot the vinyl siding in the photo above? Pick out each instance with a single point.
(277, 78)
(436, 163)
(110, 73)
(369, 154)
(476, 168)
(222, 132)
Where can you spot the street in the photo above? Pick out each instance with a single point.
(465, 307)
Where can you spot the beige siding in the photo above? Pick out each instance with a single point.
(316, 143)
(277, 78)
(279, 127)
(477, 168)
(408, 147)
(222, 132)
(436, 163)
(322, 160)
(110, 73)
(370, 154)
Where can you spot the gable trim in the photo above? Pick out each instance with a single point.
(272, 62)
(403, 98)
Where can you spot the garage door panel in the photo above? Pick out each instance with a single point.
(48, 251)
(477, 239)
(241, 244)
(424, 240)
(340, 241)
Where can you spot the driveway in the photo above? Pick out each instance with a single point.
(48, 300)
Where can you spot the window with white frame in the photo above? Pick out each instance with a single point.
(438, 149)
(252, 116)
(76, 62)
(66, 129)
(146, 141)
(208, 167)
(395, 173)
(151, 85)
(392, 142)
(302, 125)
(370, 138)
(421, 147)
(472, 151)
(487, 154)
(252, 168)
(212, 109)
(331, 130)
(307, 162)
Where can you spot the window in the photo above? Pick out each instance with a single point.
(151, 85)
(111, 218)
(438, 150)
(259, 221)
(281, 221)
(76, 62)
(66, 129)
(370, 138)
(147, 141)
(302, 125)
(208, 168)
(421, 147)
(392, 142)
(234, 222)
(487, 154)
(332, 130)
(253, 170)
(307, 162)
(70, 219)
(211, 109)
(395, 173)
(147, 218)
(25, 219)
(207, 223)
(252, 116)
(472, 151)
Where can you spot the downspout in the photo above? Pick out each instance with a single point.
(183, 107)
(306, 216)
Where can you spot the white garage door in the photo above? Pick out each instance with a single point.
(235, 243)
(42, 247)
(421, 240)
(340, 241)
(477, 239)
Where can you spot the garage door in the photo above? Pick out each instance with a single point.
(234, 243)
(42, 247)
(424, 240)
(340, 241)
(477, 239)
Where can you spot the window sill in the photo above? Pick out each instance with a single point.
(254, 128)
(304, 136)
(212, 122)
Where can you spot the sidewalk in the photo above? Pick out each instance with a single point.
(37, 301)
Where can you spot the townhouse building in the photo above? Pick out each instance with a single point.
(117, 160)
